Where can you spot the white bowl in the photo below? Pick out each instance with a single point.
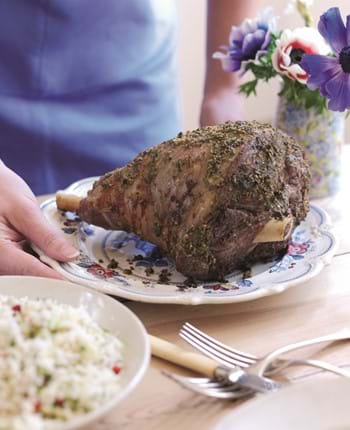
(109, 313)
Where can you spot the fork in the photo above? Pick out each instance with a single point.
(257, 365)
(221, 381)
(210, 368)
(220, 389)
(231, 357)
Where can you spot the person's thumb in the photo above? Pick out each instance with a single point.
(30, 221)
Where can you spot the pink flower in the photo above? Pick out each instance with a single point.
(291, 47)
(297, 248)
(101, 272)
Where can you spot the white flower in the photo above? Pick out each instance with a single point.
(291, 46)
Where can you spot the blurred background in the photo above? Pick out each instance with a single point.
(191, 54)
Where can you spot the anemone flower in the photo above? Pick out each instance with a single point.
(331, 75)
(247, 42)
(291, 46)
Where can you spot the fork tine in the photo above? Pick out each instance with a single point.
(231, 352)
(207, 383)
(200, 382)
(220, 358)
(204, 346)
(225, 392)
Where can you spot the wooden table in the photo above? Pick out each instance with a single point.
(316, 307)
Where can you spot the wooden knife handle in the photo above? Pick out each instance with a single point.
(190, 360)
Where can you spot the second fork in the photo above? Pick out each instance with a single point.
(231, 357)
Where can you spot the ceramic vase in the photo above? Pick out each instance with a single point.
(322, 136)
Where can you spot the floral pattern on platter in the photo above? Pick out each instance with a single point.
(101, 272)
(121, 264)
(296, 251)
(143, 254)
(98, 271)
(243, 283)
(322, 136)
(154, 270)
(70, 222)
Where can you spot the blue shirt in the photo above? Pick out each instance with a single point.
(84, 85)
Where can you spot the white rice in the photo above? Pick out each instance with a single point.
(56, 363)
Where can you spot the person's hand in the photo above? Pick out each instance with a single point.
(220, 106)
(21, 219)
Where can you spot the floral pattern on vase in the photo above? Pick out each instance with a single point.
(322, 135)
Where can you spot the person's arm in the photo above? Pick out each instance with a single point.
(21, 219)
(221, 101)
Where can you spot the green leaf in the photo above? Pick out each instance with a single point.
(261, 69)
(301, 96)
(249, 88)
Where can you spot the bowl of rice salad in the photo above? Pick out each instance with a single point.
(67, 354)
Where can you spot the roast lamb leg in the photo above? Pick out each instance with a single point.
(213, 199)
(273, 231)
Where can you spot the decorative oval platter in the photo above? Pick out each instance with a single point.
(121, 264)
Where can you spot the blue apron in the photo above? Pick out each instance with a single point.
(84, 85)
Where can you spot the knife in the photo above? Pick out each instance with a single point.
(206, 366)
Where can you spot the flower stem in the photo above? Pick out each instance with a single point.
(305, 13)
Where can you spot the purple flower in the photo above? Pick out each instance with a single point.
(331, 75)
(247, 42)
